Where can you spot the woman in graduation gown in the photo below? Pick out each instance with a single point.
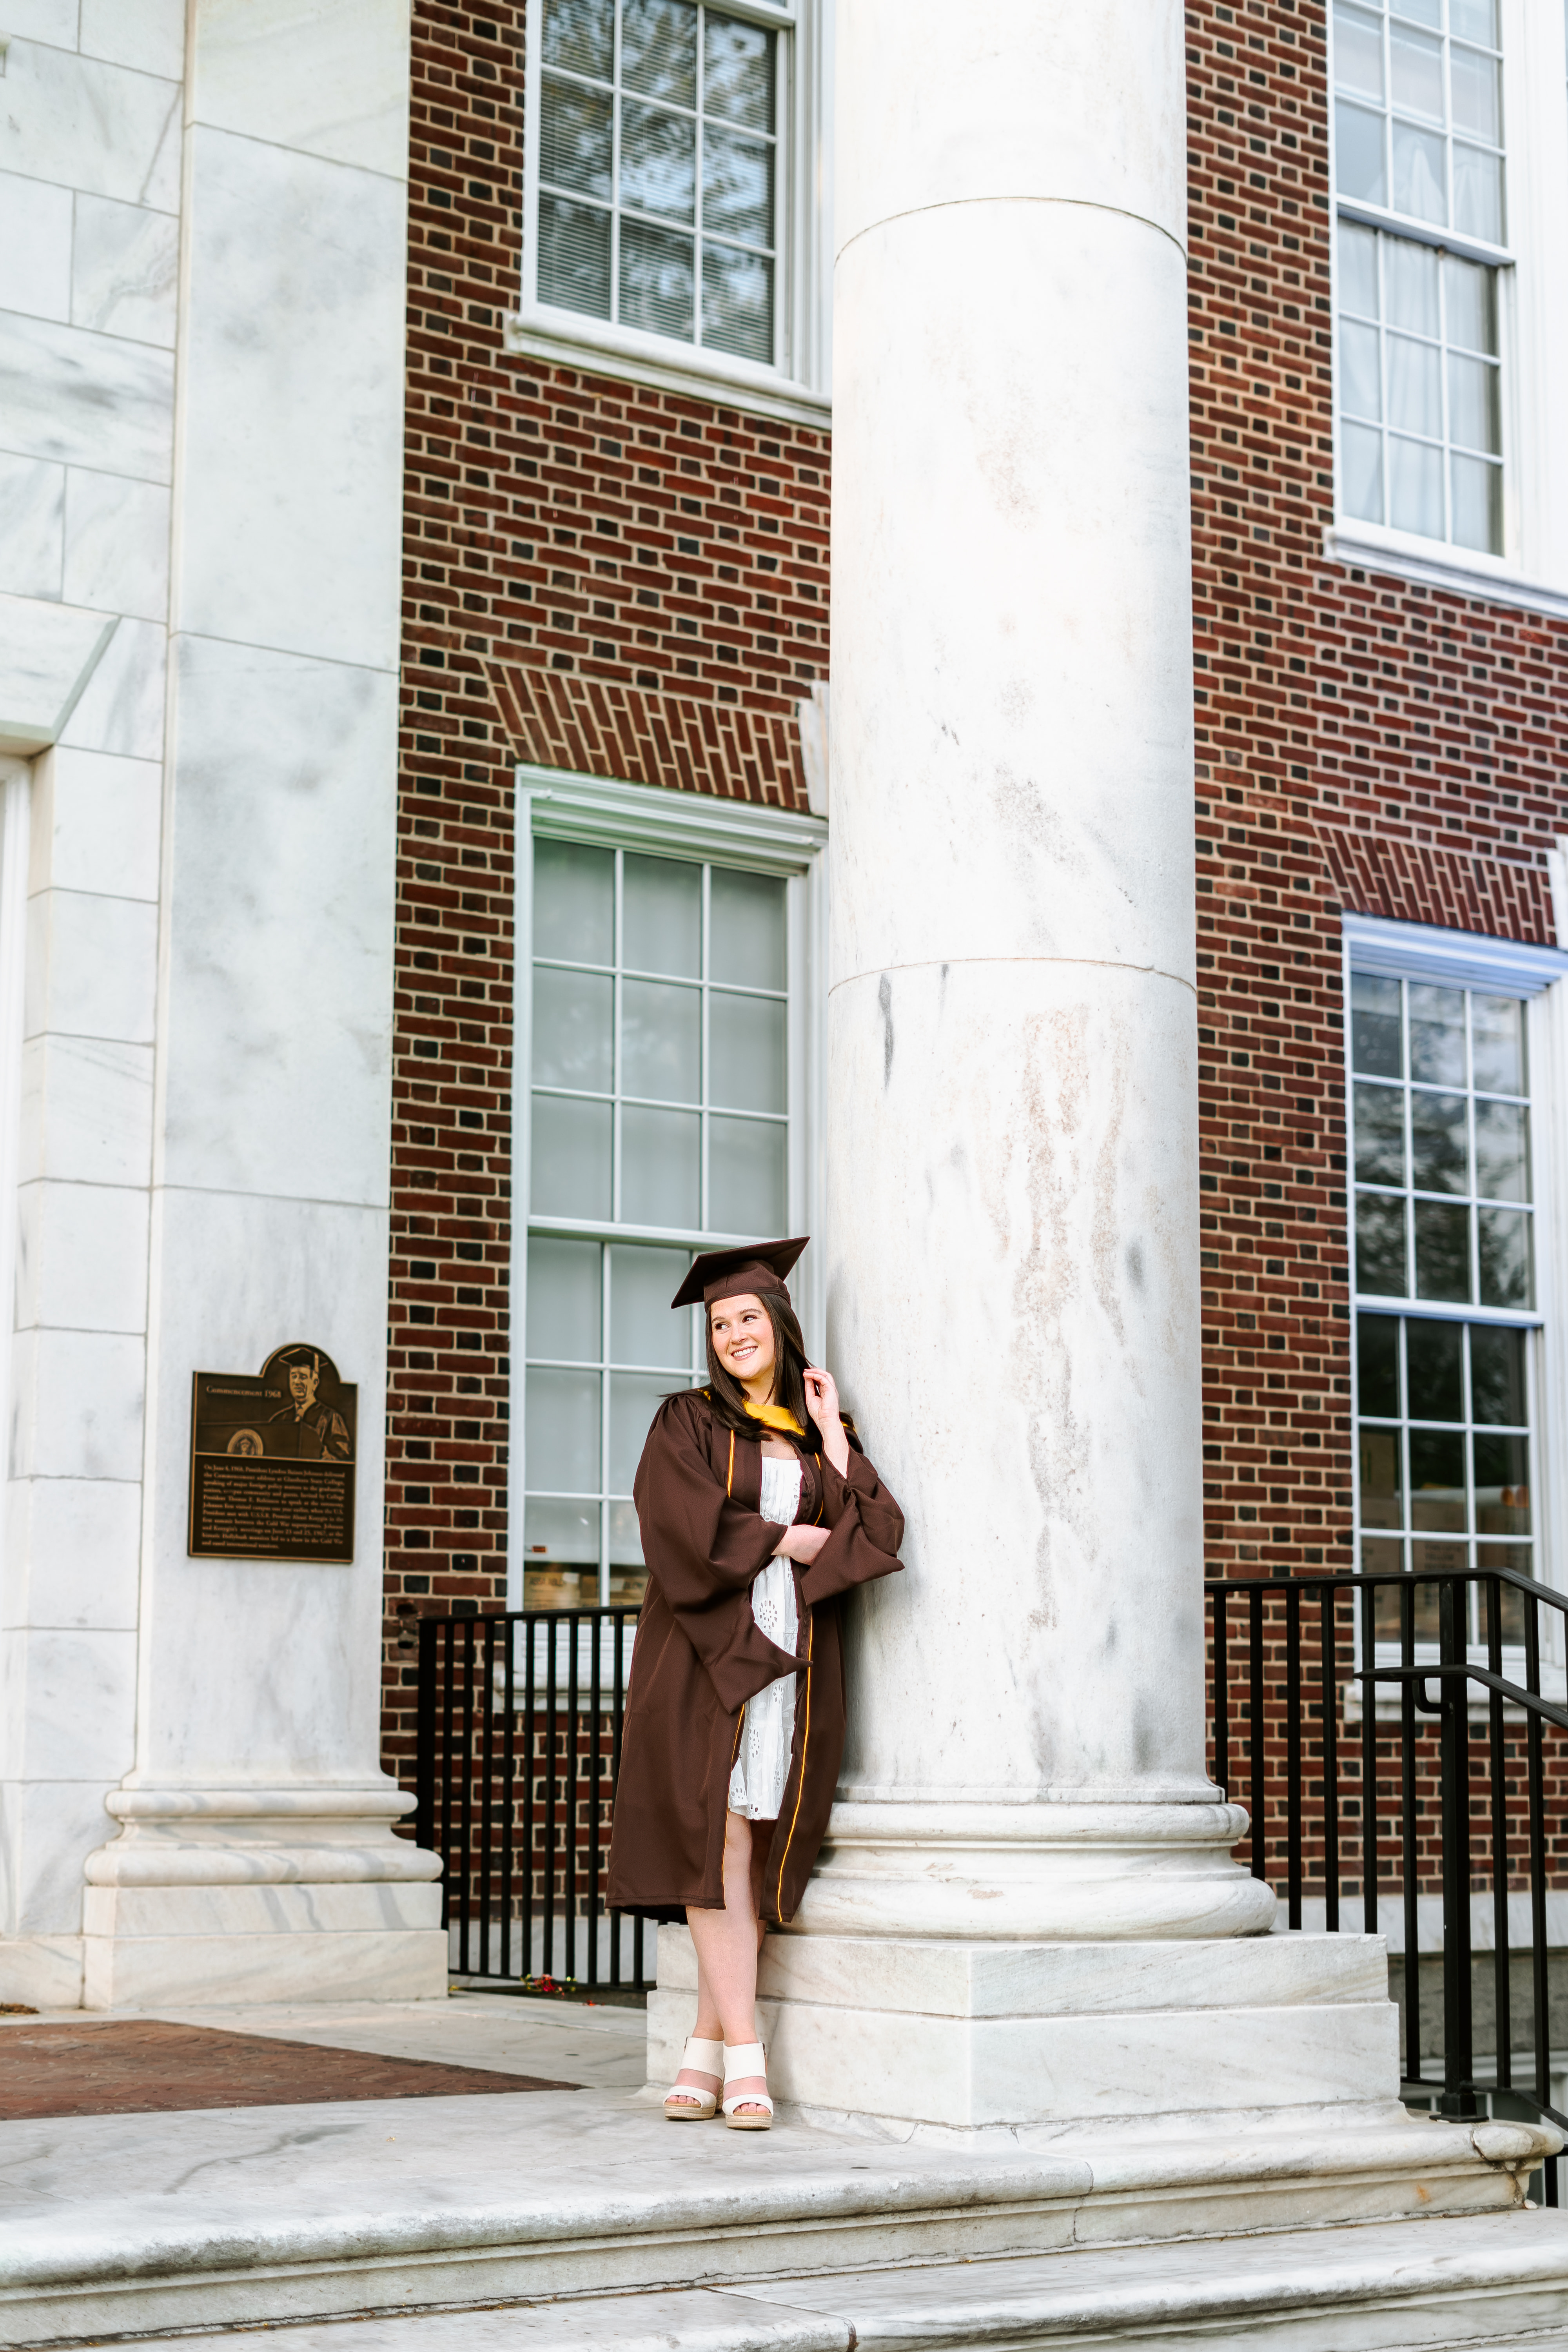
(758, 1511)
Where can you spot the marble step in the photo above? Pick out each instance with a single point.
(127, 2225)
(1498, 2281)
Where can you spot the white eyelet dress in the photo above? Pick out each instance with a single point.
(767, 1727)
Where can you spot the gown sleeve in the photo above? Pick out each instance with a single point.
(867, 1526)
(705, 1551)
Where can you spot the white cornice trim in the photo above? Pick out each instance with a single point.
(1397, 950)
(567, 806)
(1368, 551)
(594, 354)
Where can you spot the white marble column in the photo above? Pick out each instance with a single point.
(1013, 1270)
(256, 1857)
(1026, 1914)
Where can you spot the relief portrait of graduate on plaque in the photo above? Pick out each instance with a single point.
(272, 1460)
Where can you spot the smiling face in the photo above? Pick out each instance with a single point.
(744, 1342)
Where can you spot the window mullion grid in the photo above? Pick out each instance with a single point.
(1385, 469)
(705, 1202)
(615, 248)
(1408, 1110)
(697, 182)
(1446, 422)
(1473, 1166)
(617, 985)
(1406, 1515)
(606, 1278)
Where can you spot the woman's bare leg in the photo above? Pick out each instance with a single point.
(727, 1942)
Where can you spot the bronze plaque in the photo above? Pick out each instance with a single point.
(272, 1461)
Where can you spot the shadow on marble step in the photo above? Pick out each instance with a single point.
(1416, 2286)
(127, 2225)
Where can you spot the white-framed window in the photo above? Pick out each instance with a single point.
(675, 193)
(668, 1010)
(1450, 1074)
(1450, 287)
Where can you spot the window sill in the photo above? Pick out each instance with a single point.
(1485, 579)
(600, 349)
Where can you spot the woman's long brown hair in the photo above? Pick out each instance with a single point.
(789, 1368)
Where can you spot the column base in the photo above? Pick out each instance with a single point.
(1239, 2085)
(256, 1895)
(1043, 1872)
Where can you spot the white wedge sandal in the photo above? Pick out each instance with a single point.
(684, 2103)
(747, 2058)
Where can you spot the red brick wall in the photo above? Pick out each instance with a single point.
(1362, 743)
(614, 579)
(598, 577)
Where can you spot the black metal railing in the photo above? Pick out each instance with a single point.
(519, 1751)
(1411, 1802)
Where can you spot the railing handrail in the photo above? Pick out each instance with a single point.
(1314, 1579)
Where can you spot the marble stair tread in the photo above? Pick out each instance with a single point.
(1500, 2282)
(134, 2224)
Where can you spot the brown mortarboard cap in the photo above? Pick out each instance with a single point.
(727, 1273)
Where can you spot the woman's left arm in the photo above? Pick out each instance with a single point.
(865, 1523)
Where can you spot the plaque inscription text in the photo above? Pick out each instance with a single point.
(272, 1461)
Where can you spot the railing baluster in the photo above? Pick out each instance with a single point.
(424, 1737)
(1293, 1751)
(448, 1703)
(487, 1794)
(1368, 1761)
(1537, 1786)
(595, 1695)
(530, 1788)
(468, 1807)
(1221, 1689)
(1328, 1661)
(1502, 1983)
(1459, 2057)
(1255, 1713)
(569, 1867)
(551, 1753)
(1410, 1843)
(509, 1794)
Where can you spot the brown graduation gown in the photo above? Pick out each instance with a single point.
(699, 1655)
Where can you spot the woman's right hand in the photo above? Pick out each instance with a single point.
(801, 1544)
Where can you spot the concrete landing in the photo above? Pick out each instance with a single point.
(1499, 2283)
(118, 2225)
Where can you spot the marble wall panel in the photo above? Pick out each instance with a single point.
(124, 271)
(147, 34)
(87, 1110)
(258, 1668)
(78, 1400)
(295, 435)
(81, 1257)
(85, 124)
(92, 967)
(43, 20)
(117, 544)
(35, 246)
(72, 1553)
(121, 705)
(32, 527)
(327, 77)
(80, 1704)
(85, 399)
(95, 823)
(279, 989)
